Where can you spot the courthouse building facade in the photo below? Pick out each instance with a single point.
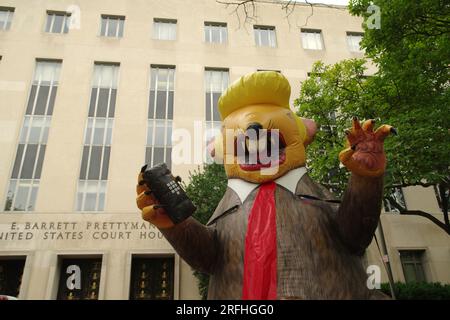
(92, 90)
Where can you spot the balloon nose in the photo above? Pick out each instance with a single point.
(255, 126)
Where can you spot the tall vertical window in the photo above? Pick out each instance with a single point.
(164, 29)
(26, 173)
(112, 26)
(216, 32)
(57, 22)
(216, 82)
(160, 115)
(412, 265)
(265, 36)
(97, 139)
(312, 39)
(353, 41)
(6, 16)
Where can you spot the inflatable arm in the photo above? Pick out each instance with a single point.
(359, 212)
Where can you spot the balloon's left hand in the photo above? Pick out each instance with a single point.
(365, 155)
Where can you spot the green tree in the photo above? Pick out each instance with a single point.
(419, 155)
(206, 188)
(411, 49)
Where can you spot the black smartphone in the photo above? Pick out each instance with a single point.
(169, 192)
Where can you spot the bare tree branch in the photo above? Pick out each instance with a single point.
(249, 8)
(420, 213)
(435, 220)
(310, 15)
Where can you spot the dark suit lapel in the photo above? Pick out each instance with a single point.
(305, 187)
(229, 203)
(308, 187)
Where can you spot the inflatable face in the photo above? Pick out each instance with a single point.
(262, 139)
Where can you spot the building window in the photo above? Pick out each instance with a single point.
(312, 39)
(216, 82)
(11, 271)
(262, 70)
(152, 279)
(353, 41)
(6, 16)
(97, 139)
(57, 22)
(164, 29)
(265, 36)
(216, 32)
(88, 273)
(160, 115)
(412, 264)
(112, 26)
(26, 173)
(396, 194)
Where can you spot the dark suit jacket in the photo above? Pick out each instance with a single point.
(312, 261)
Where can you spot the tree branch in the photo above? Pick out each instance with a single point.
(287, 6)
(444, 195)
(436, 221)
(420, 213)
(242, 4)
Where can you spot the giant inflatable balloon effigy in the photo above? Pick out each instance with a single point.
(276, 234)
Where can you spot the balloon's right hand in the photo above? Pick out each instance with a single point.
(151, 211)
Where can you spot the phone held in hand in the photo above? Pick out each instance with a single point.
(169, 192)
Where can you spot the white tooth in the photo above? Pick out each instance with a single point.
(252, 146)
(263, 144)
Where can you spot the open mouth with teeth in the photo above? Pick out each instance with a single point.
(266, 151)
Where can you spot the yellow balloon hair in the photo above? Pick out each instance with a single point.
(263, 87)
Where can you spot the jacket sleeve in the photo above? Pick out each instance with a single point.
(359, 212)
(195, 243)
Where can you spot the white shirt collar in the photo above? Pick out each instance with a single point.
(289, 181)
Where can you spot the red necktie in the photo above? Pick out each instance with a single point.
(260, 260)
